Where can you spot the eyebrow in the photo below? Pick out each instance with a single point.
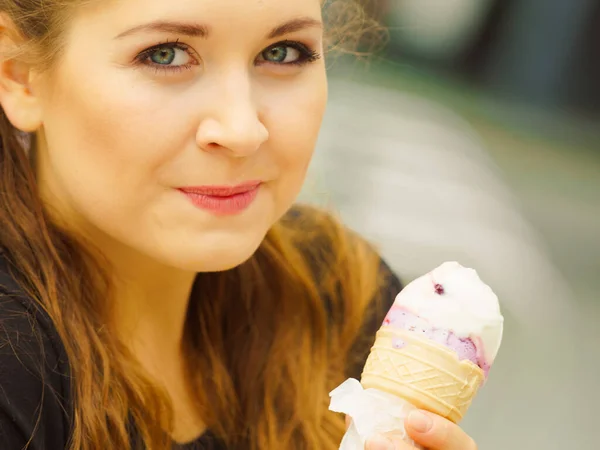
(295, 25)
(166, 26)
(198, 30)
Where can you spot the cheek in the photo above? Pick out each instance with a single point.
(116, 134)
(105, 154)
(295, 118)
(296, 121)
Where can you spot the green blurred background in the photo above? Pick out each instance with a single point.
(475, 137)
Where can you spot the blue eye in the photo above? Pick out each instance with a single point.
(171, 56)
(164, 55)
(288, 53)
(280, 54)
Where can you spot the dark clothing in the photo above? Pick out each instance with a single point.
(34, 370)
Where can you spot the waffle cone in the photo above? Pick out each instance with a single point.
(424, 373)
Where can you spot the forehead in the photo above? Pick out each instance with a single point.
(233, 16)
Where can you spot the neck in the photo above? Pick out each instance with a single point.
(149, 301)
(151, 304)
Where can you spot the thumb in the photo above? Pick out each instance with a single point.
(436, 433)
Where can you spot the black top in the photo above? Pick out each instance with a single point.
(34, 384)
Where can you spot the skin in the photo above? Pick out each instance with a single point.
(135, 132)
(120, 128)
(429, 430)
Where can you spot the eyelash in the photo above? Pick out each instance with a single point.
(143, 58)
(307, 55)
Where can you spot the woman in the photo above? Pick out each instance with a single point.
(158, 287)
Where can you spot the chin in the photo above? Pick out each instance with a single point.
(214, 257)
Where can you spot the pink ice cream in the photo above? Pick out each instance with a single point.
(465, 347)
(452, 307)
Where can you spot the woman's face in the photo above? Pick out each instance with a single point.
(181, 130)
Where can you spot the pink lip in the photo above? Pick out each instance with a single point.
(223, 200)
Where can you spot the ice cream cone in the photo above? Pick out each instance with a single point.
(424, 373)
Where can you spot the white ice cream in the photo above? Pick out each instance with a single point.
(461, 303)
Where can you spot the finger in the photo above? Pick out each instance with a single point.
(386, 443)
(436, 433)
(348, 422)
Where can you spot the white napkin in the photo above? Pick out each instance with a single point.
(372, 412)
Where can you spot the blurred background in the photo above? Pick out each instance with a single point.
(475, 136)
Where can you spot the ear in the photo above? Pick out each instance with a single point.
(18, 100)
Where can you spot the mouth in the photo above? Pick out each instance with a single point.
(223, 200)
(221, 191)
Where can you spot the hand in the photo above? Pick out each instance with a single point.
(428, 430)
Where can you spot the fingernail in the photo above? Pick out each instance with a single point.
(380, 443)
(420, 422)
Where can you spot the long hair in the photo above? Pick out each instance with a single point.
(261, 356)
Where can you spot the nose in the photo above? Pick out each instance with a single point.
(234, 124)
